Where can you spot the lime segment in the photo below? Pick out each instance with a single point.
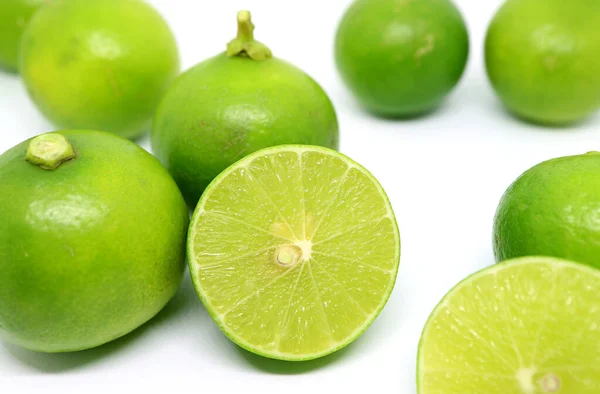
(294, 251)
(526, 326)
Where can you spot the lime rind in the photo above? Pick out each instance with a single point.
(522, 377)
(217, 317)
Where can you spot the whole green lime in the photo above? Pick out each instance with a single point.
(92, 240)
(543, 57)
(233, 104)
(553, 209)
(400, 58)
(101, 65)
(14, 17)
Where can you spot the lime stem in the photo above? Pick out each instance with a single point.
(245, 27)
(49, 151)
(244, 44)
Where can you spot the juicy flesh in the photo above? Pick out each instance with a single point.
(295, 252)
(530, 328)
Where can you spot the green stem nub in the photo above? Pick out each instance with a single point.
(245, 44)
(49, 151)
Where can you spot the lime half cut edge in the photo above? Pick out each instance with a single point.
(294, 251)
(525, 326)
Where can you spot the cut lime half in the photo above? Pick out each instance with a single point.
(525, 326)
(294, 251)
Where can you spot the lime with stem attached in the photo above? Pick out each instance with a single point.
(233, 104)
(92, 240)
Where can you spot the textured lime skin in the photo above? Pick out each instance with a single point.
(106, 67)
(543, 57)
(91, 250)
(401, 58)
(227, 107)
(14, 16)
(552, 210)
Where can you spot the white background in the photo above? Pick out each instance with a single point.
(444, 174)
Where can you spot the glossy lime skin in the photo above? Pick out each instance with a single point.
(227, 107)
(91, 250)
(106, 67)
(14, 17)
(401, 58)
(543, 57)
(552, 210)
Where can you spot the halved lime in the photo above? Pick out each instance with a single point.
(294, 251)
(525, 326)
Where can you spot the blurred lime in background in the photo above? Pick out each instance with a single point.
(100, 65)
(543, 59)
(14, 17)
(401, 58)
